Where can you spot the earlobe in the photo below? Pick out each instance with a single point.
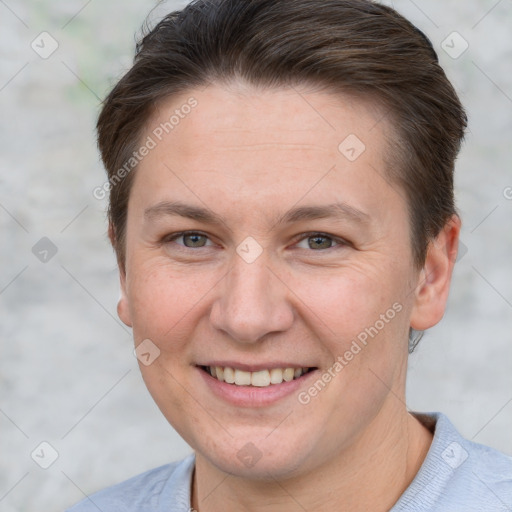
(123, 309)
(433, 286)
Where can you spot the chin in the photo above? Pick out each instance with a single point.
(263, 459)
(269, 467)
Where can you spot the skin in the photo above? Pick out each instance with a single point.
(249, 156)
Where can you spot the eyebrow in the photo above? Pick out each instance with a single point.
(339, 211)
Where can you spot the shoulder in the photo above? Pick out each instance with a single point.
(156, 489)
(458, 474)
(469, 459)
(483, 473)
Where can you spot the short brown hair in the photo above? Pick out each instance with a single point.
(348, 46)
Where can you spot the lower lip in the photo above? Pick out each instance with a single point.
(253, 396)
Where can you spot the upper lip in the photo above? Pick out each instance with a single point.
(254, 367)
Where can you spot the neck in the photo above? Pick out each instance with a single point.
(370, 475)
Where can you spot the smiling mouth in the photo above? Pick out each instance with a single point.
(261, 379)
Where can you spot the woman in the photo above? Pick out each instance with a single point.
(281, 206)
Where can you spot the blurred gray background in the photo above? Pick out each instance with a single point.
(68, 375)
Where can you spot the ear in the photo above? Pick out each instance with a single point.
(123, 311)
(434, 280)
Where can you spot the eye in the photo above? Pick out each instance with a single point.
(318, 241)
(191, 239)
(315, 241)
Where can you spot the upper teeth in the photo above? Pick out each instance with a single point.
(261, 378)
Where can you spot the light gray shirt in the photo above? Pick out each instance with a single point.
(457, 475)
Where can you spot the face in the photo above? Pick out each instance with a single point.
(296, 254)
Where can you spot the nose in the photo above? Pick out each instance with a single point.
(252, 303)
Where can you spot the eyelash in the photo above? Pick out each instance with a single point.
(304, 236)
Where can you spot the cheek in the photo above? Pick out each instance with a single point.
(163, 301)
(347, 301)
(361, 319)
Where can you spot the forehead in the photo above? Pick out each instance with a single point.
(258, 148)
(237, 116)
